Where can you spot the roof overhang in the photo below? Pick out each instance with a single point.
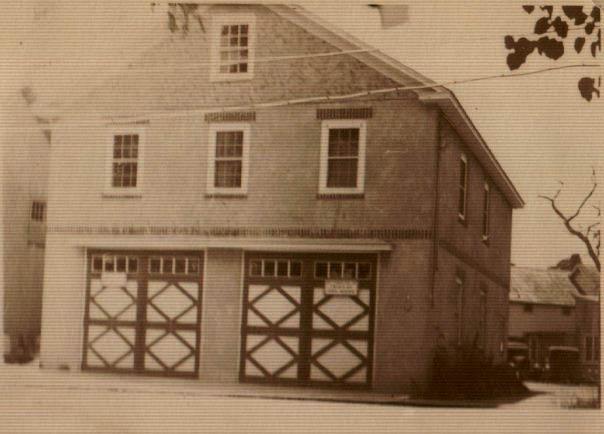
(459, 119)
(314, 245)
(427, 90)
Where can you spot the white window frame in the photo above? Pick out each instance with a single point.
(486, 212)
(140, 168)
(220, 20)
(245, 158)
(460, 284)
(333, 124)
(462, 214)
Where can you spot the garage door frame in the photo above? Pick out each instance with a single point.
(306, 332)
(141, 324)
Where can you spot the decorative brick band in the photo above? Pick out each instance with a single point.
(230, 117)
(249, 232)
(345, 113)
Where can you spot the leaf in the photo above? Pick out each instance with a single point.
(575, 13)
(509, 42)
(595, 14)
(552, 48)
(594, 48)
(528, 8)
(549, 9)
(579, 43)
(589, 27)
(542, 25)
(560, 27)
(587, 88)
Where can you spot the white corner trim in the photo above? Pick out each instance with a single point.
(323, 168)
(245, 160)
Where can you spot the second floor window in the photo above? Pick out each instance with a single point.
(124, 167)
(342, 157)
(228, 162)
(459, 287)
(38, 210)
(486, 211)
(463, 187)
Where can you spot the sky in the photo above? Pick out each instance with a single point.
(538, 126)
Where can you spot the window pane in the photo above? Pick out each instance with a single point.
(335, 270)
(350, 270)
(181, 265)
(321, 270)
(282, 268)
(167, 264)
(269, 268)
(155, 265)
(364, 270)
(256, 268)
(193, 266)
(121, 264)
(132, 265)
(228, 174)
(343, 142)
(109, 263)
(462, 201)
(295, 269)
(97, 263)
(342, 173)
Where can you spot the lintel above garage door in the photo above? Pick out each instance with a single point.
(257, 244)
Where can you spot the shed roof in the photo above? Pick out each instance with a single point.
(541, 286)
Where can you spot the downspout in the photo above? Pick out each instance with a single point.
(435, 225)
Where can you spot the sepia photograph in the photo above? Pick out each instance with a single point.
(309, 216)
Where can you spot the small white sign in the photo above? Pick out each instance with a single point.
(341, 287)
(113, 278)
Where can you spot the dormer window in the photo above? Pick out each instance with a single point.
(233, 47)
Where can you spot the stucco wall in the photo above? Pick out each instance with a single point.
(467, 238)
(221, 316)
(543, 318)
(402, 345)
(446, 311)
(283, 180)
(25, 166)
(63, 303)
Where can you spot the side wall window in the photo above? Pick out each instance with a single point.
(38, 211)
(486, 212)
(463, 187)
(459, 286)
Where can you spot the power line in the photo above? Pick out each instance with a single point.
(333, 98)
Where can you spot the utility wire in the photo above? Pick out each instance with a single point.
(330, 98)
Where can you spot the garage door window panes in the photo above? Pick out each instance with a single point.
(343, 270)
(275, 268)
(114, 263)
(173, 265)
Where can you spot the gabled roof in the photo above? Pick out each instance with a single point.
(427, 90)
(541, 286)
(405, 78)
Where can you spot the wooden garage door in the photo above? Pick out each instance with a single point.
(294, 332)
(143, 312)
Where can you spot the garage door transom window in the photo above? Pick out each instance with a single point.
(114, 263)
(275, 268)
(173, 265)
(343, 270)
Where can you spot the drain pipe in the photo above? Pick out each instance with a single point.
(435, 225)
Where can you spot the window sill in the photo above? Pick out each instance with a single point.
(226, 77)
(121, 195)
(226, 195)
(340, 196)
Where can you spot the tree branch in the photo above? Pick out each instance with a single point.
(589, 195)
